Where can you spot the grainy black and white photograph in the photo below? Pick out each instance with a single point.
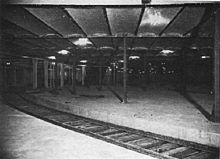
(109, 79)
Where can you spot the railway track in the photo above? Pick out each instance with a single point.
(155, 145)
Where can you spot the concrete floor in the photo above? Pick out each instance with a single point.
(158, 109)
(26, 137)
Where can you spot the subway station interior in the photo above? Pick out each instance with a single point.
(147, 69)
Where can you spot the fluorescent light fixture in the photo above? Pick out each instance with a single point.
(8, 63)
(53, 63)
(140, 48)
(205, 57)
(120, 60)
(25, 57)
(82, 42)
(100, 34)
(83, 61)
(82, 65)
(63, 52)
(134, 57)
(106, 47)
(194, 48)
(167, 51)
(52, 57)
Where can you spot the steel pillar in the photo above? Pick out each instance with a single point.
(35, 62)
(125, 72)
(46, 74)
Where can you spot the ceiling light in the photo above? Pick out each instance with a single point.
(194, 48)
(25, 57)
(52, 57)
(134, 57)
(82, 42)
(167, 51)
(140, 48)
(53, 63)
(82, 65)
(120, 60)
(100, 34)
(63, 52)
(83, 61)
(8, 63)
(106, 47)
(205, 57)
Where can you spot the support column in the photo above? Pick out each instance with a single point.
(2, 76)
(114, 74)
(145, 72)
(55, 75)
(217, 67)
(51, 75)
(74, 75)
(35, 61)
(24, 74)
(125, 72)
(46, 74)
(61, 75)
(83, 75)
(183, 71)
(69, 75)
(14, 76)
(100, 76)
(100, 72)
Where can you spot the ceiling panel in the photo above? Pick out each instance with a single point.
(57, 19)
(188, 19)
(24, 19)
(155, 19)
(123, 20)
(91, 20)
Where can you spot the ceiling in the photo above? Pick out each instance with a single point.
(42, 31)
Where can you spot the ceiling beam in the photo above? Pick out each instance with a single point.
(118, 37)
(104, 2)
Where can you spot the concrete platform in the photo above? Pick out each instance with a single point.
(26, 137)
(158, 109)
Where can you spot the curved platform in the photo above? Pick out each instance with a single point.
(143, 142)
(156, 111)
